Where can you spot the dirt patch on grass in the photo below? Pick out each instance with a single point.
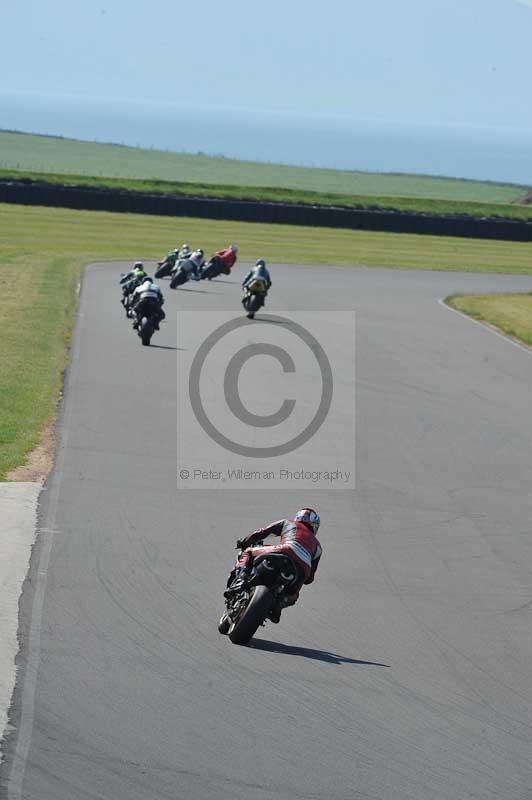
(40, 461)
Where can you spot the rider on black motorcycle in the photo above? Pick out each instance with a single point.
(221, 262)
(257, 282)
(259, 272)
(298, 542)
(134, 274)
(148, 298)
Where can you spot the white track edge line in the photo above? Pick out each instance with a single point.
(486, 327)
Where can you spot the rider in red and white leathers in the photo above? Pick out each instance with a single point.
(226, 258)
(298, 542)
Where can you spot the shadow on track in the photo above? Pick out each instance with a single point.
(167, 347)
(196, 291)
(307, 652)
(272, 321)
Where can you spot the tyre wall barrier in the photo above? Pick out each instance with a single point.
(95, 199)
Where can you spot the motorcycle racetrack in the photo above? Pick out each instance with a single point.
(402, 673)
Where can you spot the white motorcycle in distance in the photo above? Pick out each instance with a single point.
(187, 269)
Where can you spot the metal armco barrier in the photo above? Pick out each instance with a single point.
(94, 199)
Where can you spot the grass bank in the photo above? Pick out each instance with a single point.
(42, 251)
(510, 313)
(49, 154)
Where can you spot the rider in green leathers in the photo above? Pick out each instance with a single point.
(174, 255)
(130, 281)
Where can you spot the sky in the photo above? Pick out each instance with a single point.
(462, 63)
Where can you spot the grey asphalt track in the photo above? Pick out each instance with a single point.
(404, 672)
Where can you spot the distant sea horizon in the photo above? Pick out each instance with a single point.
(487, 154)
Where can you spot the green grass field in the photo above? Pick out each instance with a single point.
(31, 153)
(42, 251)
(510, 313)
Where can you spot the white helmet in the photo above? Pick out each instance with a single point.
(308, 517)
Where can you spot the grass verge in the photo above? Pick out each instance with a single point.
(42, 251)
(510, 313)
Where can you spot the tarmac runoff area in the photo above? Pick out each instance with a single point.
(18, 516)
(403, 672)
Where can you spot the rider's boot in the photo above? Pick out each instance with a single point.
(275, 612)
(279, 604)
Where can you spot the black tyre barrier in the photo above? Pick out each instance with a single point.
(101, 199)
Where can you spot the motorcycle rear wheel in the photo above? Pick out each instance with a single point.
(255, 302)
(145, 331)
(253, 616)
